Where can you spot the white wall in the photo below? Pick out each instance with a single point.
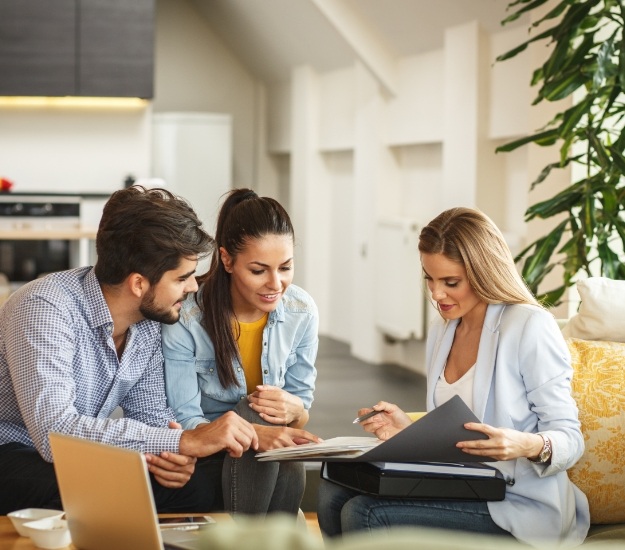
(195, 72)
(73, 150)
(429, 147)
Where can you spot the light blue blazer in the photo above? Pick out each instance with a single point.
(523, 382)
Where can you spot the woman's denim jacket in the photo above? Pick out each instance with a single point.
(290, 342)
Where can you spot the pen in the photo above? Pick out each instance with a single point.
(365, 416)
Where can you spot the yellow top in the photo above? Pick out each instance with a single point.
(251, 347)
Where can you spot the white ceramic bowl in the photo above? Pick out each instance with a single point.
(20, 517)
(48, 533)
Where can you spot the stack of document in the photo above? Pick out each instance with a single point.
(476, 469)
(337, 447)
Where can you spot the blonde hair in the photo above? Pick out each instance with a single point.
(469, 237)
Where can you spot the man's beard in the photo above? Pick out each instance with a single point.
(151, 311)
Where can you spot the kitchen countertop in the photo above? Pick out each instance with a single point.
(64, 234)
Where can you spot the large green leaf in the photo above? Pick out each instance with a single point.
(522, 47)
(551, 298)
(548, 137)
(564, 86)
(610, 201)
(602, 155)
(587, 216)
(543, 249)
(552, 14)
(610, 263)
(561, 202)
(532, 5)
(547, 170)
(573, 115)
(604, 62)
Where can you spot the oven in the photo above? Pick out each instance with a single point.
(33, 230)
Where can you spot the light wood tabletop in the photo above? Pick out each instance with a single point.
(10, 540)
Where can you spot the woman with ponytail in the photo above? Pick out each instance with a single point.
(247, 341)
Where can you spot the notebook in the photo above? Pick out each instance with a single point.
(107, 498)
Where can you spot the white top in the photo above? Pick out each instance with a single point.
(463, 387)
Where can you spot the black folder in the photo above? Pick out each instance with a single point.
(370, 479)
(432, 438)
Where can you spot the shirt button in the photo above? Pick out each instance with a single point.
(266, 371)
(242, 397)
(239, 369)
(264, 343)
(210, 370)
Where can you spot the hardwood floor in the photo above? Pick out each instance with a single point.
(312, 523)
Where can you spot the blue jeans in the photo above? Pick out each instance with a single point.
(341, 510)
(253, 487)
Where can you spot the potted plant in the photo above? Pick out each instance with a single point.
(588, 56)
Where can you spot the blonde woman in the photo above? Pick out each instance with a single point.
(503, 354)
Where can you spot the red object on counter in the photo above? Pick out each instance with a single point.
(5, 184)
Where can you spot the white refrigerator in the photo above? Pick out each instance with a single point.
(192, 153)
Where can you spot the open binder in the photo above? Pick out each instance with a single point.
(432, 438)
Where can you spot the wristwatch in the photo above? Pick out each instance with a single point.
(545, 454)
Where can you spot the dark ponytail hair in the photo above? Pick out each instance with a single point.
(244, 216)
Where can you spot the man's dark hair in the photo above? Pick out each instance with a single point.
(147, 231)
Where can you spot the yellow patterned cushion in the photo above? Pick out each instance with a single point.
(599, 390)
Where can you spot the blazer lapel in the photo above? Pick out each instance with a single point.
(486, 358)
(439, 359)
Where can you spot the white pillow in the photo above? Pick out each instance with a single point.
(601, 314)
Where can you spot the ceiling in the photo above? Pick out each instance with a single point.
(273, 36)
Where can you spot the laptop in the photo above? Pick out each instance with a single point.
(108, 501)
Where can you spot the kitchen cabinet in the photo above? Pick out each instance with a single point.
(101, 48)
(37, 47)
(116, 52)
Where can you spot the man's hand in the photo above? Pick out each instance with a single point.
(229, 432)
(171, 470)
(275, 437)
(277, 406)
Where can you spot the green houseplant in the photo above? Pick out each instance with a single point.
(588, 58)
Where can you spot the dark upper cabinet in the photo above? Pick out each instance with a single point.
(116, 48)
(37, 47)
(99, 48)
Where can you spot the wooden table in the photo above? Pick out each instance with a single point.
(10, 540)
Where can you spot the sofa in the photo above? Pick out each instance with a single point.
(596, 340)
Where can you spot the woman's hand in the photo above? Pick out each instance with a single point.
(502, 443)
(277, 406)
(386, 424)
(275, 437)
